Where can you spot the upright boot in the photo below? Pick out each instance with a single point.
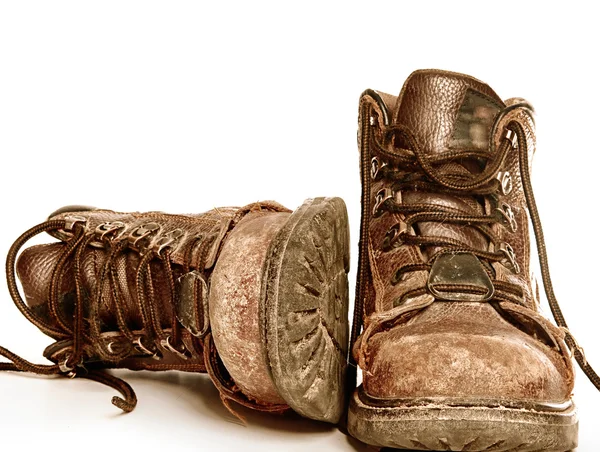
(454, 352)
(255, 296)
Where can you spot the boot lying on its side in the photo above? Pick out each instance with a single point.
(255, 296)
(454, 351)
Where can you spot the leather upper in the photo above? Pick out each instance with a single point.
(194, 243)
(460, 349)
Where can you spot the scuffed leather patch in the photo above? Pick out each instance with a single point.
(474, 121)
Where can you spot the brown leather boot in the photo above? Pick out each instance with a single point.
(255, 296)
(454, 351)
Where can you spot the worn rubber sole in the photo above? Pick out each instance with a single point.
(471, 428)
(306, 308)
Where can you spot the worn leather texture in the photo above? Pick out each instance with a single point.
(236, 301)
(196, 249)
(473, 350)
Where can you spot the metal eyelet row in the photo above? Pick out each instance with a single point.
(138, 345)
(506, 211)
(140, 233)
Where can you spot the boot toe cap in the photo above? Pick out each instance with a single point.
(471, 361)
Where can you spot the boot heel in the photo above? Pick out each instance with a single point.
(306, 312)
(279, 307)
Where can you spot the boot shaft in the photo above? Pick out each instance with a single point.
(436, 115)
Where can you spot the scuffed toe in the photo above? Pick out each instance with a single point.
(479, 357)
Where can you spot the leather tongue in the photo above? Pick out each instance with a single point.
(446, 110)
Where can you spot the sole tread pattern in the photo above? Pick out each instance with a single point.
(306, 309)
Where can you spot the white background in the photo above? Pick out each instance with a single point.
(182, 106)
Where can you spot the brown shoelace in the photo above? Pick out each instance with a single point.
(85, 329)
(421, 171)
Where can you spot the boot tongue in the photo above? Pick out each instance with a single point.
(446, 110)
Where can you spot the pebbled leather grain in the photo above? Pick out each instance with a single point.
(429, 103)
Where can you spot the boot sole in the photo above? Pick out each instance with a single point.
(305, 295)
(466, 428)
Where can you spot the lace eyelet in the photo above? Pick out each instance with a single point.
(380, 198)
(117, 348)
(376, 167)
(138, 344)
(70, 370)
(508, 216)
(141, 232)
(168, 240)
(72, 220)
(64, 366)
(506, 184)
(509, 252)
(110, 347)
(391, 237)
(166, 344)
(109, 227)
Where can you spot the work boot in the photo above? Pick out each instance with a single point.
(257, 297)
(454, 352)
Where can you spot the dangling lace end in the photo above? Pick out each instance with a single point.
(126, 406)
(129, 402)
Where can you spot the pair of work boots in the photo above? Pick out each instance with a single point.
(447, 330)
